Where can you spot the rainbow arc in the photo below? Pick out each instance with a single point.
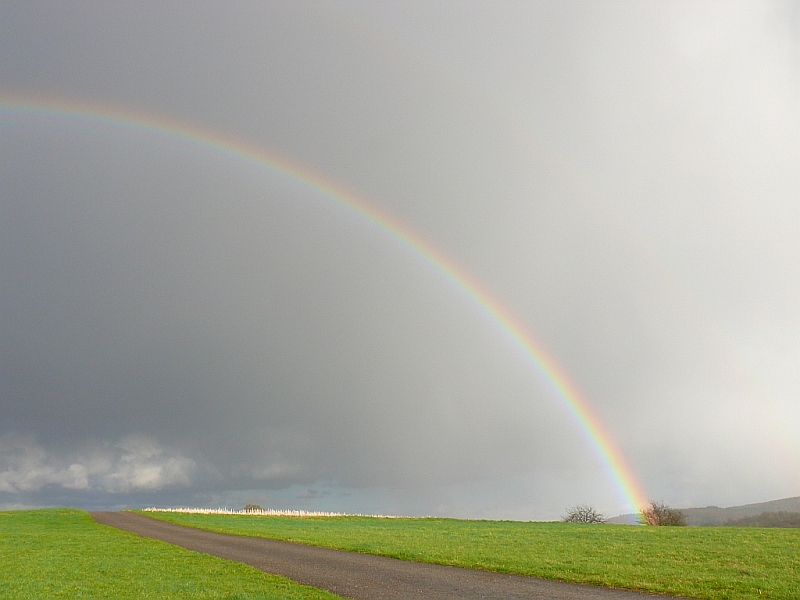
(597, 435)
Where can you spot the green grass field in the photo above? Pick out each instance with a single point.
(696, 562)
(63, 553)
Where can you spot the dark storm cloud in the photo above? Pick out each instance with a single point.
(235, 322)
(179, 327)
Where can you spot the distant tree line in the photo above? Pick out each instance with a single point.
(660, 514)
(767, 519)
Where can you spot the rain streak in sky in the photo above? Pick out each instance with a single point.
(290, 253)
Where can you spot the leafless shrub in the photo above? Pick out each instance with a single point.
(253, 508)
(583, 513)
(658, 513)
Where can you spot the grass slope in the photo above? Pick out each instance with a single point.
(63, 553)
(696, 562)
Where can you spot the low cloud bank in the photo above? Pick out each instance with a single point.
(134, 463)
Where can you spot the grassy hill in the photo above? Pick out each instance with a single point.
(63, 554)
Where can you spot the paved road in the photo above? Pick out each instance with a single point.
(360, 576)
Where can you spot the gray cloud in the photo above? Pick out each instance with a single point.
(132, 464)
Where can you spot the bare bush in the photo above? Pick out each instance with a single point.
(253, 508)
(658, 513)
(583, 513)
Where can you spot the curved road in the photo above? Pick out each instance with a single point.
(360, 576)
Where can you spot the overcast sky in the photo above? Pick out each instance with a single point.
(178, 327)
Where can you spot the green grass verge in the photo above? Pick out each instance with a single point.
(716, 563)
(63, 553)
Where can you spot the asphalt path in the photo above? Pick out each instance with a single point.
(360, 576)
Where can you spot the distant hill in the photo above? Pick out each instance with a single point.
(714, 515)
(769, 519)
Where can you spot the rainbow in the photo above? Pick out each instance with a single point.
(599, 438)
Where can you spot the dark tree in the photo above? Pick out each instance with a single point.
(583, 513)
